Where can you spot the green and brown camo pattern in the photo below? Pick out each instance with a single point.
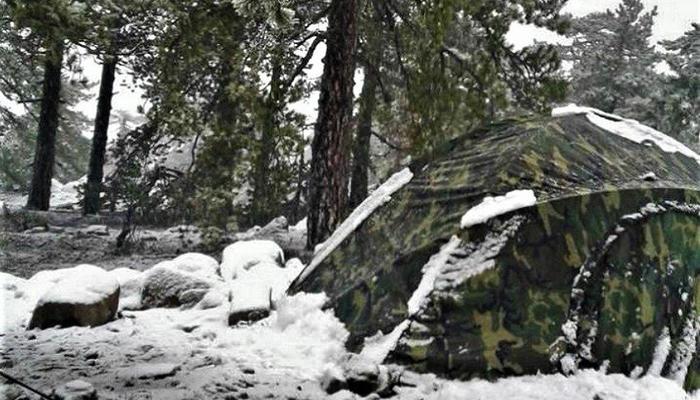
(639, 271)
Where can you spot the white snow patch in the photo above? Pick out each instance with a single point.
(299, 226)
(628, 129)
(376, 199)
(431, 270)
(16, 303)
(298, 337)
(130, 285)
(244, 254)
(376, 348)
(661, 352)
(83, 284)
(684, 350)
(197, 263)
(649, 176)
(583, 385)
(494, 206)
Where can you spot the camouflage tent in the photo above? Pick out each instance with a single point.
(604, 267)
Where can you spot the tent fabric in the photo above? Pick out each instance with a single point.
(504, 301)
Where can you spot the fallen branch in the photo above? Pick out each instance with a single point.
(24, 385)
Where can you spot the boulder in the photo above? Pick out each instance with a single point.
(248, 315)
(244, 254)
(197, 264)
(75, 390)
(85, 295)
(167, 286)
(12, 392)
(360, 376)
(130, 286)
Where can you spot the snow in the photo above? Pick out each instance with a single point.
(453, 264)
(685, 349)
(476, 258)
(244, 254)
(130, 285)
(376, 348)
(16, 303)
(65, 196)
(375, 200)
(628, 129)
(430, 272)
(197, 263)
(186, 353)
(494, 206)
(300, 226)
(166, 285)
(83, 284)
(661, 352)
(584, 385)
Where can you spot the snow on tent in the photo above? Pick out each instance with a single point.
(540, 244)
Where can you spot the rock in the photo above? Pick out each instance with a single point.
(12, 392)
(212, 299)
(166, 286)
(277, 225)
(197, 264)
(98, 230)
(243, 254)
(248, 315)
(359, 376)
(131, 283)
(85, 295)
(75, 390)
(149, 371)
(36, 229)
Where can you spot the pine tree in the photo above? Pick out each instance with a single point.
(49, 24)
(612, 60)
(329, 163)
(370, 55)
(678, 104)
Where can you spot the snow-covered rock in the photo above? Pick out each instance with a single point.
(11, 392)
(131, 284)
(149, 371)
(65, 196)
(75, 390)
(243, 255)
(84, 295)
(166, 285)
(15, 302)
(197, 264)
(97, 230)
(254, 291)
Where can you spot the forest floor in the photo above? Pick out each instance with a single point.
(171, 353)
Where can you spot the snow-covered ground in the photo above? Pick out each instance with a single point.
(193, 353)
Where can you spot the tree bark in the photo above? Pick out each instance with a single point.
(99, 138)
(264, 206)
(329, 162)
(45, 150)
(361, 146)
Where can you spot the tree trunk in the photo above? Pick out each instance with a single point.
(264, 206)
(45, 150)
(329, 164)
(361, 145)
(99, 138)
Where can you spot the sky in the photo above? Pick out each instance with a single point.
(674, 18)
